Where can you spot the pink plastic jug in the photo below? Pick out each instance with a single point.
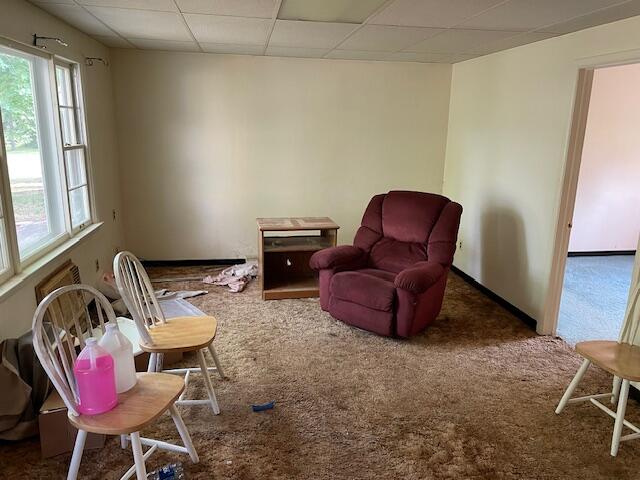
(96, 380)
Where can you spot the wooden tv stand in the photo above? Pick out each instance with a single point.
(285, 253)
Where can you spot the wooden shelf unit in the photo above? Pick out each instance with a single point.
(285, 247)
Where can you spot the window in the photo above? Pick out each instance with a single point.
(73, 144)
(44, 188)
(5, 264)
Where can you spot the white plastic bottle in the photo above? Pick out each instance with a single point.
(120, 348)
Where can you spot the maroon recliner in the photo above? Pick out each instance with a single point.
(392, 280)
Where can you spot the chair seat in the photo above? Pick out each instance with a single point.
(182, 334)
(364, 289)
(620, 359)
(151, 397)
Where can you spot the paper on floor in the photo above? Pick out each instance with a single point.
(235, 277)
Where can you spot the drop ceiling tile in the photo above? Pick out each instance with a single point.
(422, 57)
(511, 42)
(232, 49)
(618, 12)
(296, 52)
(291, 33)
(339, 11)
(358, 55)
(143, 23)
(154, 44)
(66, 2)
(159, 5)
(78, 17)
(113, 42)
(431, 13)
(382, 38)
(459, 41)
(236, 8)
(226, 29)
(522, 15)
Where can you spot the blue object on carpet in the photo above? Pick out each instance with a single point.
(263, 406)
(594, 297)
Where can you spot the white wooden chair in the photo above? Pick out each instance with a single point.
(160, 335)
(54, 342)
(622, 360)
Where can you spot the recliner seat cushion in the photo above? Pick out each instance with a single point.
(364, 289)
(383, 274)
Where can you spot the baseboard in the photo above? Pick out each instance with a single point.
(527, 319)
(602, 253)
(191, 263)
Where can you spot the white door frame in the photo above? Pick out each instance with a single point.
(585, 68)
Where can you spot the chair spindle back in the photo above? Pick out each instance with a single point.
(54, 337)
(137, 292)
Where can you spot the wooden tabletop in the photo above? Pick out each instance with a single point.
(296, 223)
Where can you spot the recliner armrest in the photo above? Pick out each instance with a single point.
(419, 277)
(333, 257)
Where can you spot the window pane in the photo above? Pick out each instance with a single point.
(63, 79)
(74, 160)
(67, 122)
(4, 248)
(79, 204)
(30, 145)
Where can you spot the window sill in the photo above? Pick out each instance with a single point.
(14, 283)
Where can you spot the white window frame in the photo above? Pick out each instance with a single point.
(8, 242)
(79, 118)
(9, 250)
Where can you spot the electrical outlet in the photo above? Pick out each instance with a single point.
(97, 265)
(460, 244)
(113, 214)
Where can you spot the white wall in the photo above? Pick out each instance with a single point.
(509, 121)
(18, 21)
(607, 208)
(210, 142)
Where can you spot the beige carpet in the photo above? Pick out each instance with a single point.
(472, 397)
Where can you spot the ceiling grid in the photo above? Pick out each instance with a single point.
(438, 31)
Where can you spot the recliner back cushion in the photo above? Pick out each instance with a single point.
(410, 216)
(394, 256)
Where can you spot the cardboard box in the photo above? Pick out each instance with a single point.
(142, 360)
(57, 435)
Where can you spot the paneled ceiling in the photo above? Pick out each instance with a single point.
(441, 31)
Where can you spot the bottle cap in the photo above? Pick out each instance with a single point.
(111, 326)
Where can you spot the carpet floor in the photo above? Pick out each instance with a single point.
(594, 297)
(471, 398)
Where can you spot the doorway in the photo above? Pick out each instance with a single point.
(604, 222)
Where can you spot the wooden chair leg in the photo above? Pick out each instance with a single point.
(152, 363)
(622, 407)
(76, 457)
(615, 390)
(138, 457)
(159, 362)
(572, 386)
(184, 433)
(213, 353)
(207, 382)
